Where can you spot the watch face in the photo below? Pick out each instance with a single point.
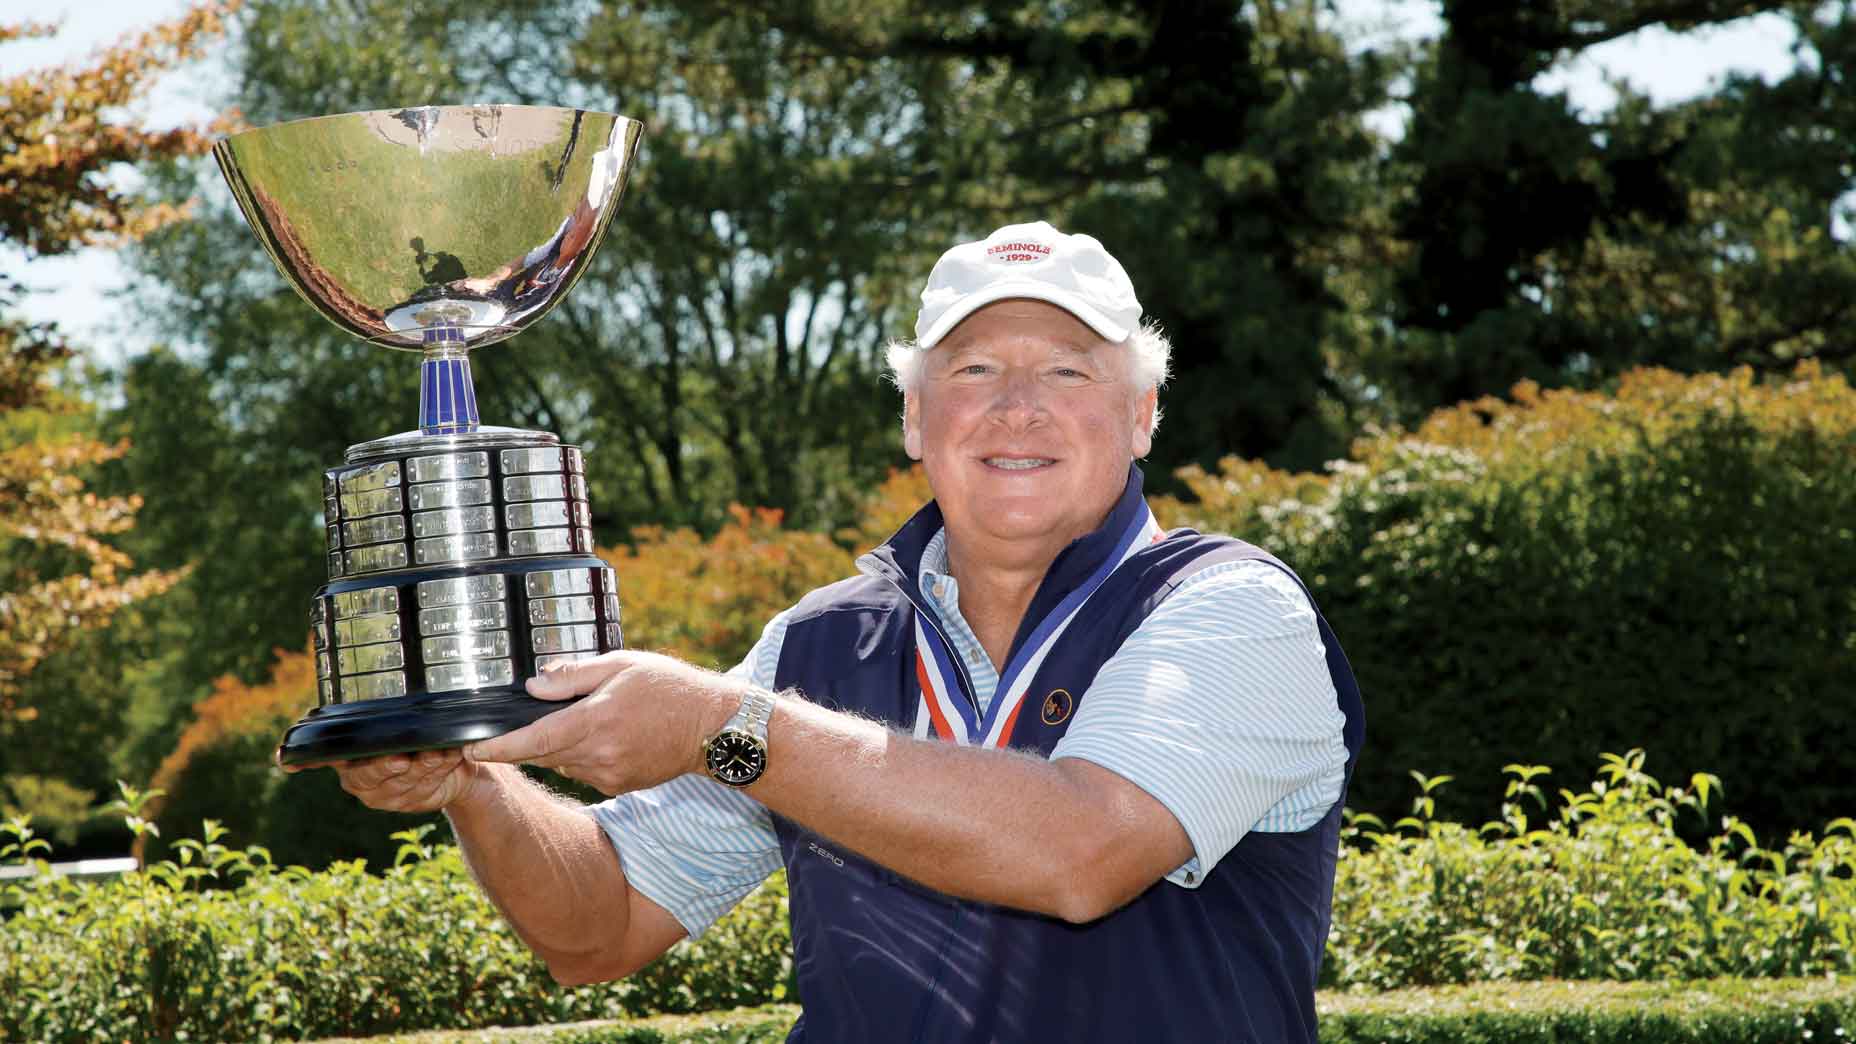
(736, 758)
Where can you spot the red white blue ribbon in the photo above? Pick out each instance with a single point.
(944, 713)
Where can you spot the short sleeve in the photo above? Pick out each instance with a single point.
(1221, 706)
(692, 845)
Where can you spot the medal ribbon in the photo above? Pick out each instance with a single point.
(946, 715)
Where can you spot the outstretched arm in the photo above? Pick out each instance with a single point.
(1065, 838)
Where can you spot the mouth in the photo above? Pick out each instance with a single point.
(1018, 463)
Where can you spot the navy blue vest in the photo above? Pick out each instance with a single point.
(881, 958)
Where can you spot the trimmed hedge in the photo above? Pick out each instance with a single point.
(219, 944)
(1717, 1011)
(1671, 564)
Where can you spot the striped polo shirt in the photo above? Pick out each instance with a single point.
(1219, 704)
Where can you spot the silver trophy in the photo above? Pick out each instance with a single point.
(460, 555)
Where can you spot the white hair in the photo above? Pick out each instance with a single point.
(1149, 357)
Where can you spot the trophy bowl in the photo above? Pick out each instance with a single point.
(460, 555)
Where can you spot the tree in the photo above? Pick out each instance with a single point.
(1219, 149)
(60, 573)
(1561, 247)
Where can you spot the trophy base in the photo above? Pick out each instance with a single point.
(402, 725)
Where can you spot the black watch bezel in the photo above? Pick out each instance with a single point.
(735, 757)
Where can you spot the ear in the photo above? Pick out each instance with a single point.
(1144, 406)
(912, 426)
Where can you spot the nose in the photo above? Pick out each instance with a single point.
(1020, 405)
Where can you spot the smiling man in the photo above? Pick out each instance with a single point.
(1042, 771)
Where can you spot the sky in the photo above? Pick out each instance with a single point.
(77, 292)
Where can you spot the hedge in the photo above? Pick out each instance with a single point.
(220, 944)
(1670, 563)
(1717, 1011)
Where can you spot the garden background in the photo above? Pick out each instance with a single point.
(1550, 406)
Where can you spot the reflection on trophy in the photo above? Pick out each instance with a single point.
(460, 555)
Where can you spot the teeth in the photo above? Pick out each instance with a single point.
(1011, 464)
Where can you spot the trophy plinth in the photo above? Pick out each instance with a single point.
(460, 556)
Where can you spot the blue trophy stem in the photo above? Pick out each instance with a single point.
(447, 399)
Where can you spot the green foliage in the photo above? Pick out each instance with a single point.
(220, 944)
(58, 806)
(765, 1025)
(1601, 889)
(1593, 887)
(1716, 1011)
(1539, 579)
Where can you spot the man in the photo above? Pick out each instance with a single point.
(1042, 772)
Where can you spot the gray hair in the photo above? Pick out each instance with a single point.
(1149, 355)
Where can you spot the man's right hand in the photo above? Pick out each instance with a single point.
(424, 782)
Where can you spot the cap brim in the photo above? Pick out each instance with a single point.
(1071, 303)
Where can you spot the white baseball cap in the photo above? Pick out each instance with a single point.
(1036, 261)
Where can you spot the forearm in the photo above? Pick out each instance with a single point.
(1063, 838)
(545, 864)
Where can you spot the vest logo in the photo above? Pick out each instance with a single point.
(825, 853)
(1057, 707)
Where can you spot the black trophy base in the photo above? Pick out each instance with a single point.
(404, 724)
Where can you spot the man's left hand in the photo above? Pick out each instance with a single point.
(643, 721)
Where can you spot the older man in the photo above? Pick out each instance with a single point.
(1041, 772)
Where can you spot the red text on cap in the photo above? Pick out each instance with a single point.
(1017, 252)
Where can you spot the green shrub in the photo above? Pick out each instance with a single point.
(220, 945)
(764, 1025)
(1604, 889)
(1720, 1011)
(1670, 565)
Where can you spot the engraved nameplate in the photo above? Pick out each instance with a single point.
(455, 520)
(519, 461)
(469, 675)
(446, 467)
(432, 495)
(375, 558)
(374, 686)
(537, 514)
(549, 582)
(541, 541)
(474, 616)
(459, 547)
(369, 600)
(486, 588)
(465, 645)
(568, 638)
(535, 487)
(374, 476)
(374, 530)
(360, 658)
(571, 609)
(362, 630)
